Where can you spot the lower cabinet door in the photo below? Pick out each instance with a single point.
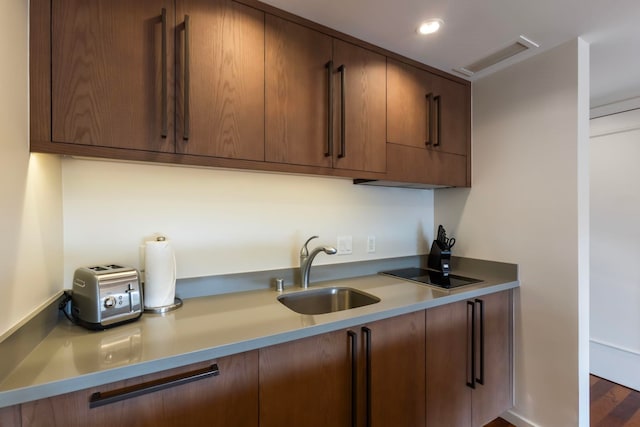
(308, 382)
(469, 361)
(447, 362)
(371, 375)
(227, 399)
(494, 395)
(10, 416)
(395, 348)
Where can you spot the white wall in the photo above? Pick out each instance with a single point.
(615, 248)
(30, 193)
(529, 205)
(224, 221)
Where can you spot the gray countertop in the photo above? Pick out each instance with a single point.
(71, 358)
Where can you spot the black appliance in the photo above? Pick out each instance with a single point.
(440, 255)
(431, 277)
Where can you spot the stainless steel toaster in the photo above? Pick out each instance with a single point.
(106, 295)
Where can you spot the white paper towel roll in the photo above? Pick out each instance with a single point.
(160, 273)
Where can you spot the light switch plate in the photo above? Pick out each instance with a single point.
(345, 245)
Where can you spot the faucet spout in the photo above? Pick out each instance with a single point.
(306, 258)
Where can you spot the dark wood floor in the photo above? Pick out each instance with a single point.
(612, 405)
(499, 422)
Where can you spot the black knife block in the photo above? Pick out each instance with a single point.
(440, 257)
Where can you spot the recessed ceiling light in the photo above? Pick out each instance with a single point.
(430, 26)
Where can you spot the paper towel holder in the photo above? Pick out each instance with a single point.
(177, 303)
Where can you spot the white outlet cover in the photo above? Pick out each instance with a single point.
(345, 245)
(371, 244)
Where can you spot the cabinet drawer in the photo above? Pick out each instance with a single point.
(230, 398)
(412, 164)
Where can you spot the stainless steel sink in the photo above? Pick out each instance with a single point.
(327, 300)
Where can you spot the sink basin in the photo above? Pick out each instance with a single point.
(326, 300)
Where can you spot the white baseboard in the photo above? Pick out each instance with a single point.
(517, 420)
(615, 107)
(614, 363)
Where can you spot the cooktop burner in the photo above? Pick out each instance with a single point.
(431, 277)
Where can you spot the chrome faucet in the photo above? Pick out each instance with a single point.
(306, 259)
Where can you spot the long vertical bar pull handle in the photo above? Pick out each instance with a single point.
(429, 119)
(353, 339)
(343, 114)
(329, 152)
(472, 353)
(165, 112)
(367, 352)
(187, 79)
(480, 379)
(436, 111)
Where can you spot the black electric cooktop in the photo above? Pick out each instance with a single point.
(431, 277)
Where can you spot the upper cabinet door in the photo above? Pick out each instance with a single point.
(407, 105)
(111, 73)
(220, 79)
(452, 102)
(426, 111)
(297, 94)
(359, 108)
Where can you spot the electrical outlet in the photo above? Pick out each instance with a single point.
(371, 244)
(345, 245)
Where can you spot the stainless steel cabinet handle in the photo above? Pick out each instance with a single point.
(329, 152)
(353, 340)
(480, 379)
(165, 113)
(343, 114)
(471, 355)
(187, 79)
(105, 398)
(367, 336)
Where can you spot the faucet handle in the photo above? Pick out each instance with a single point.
(304, 251)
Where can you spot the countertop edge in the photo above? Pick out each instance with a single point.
(82, 382)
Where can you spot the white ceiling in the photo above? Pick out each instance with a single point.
(475, 28)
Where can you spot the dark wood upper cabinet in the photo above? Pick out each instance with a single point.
(107, 69)
(297, 94)
(359, 108)
(454, 101)
(426, 111)
(219, 79)
(428, 127)
(238, 84)
(325, 102)
(136, 75)
(407, 105)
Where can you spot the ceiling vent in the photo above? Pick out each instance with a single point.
(521, 45)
